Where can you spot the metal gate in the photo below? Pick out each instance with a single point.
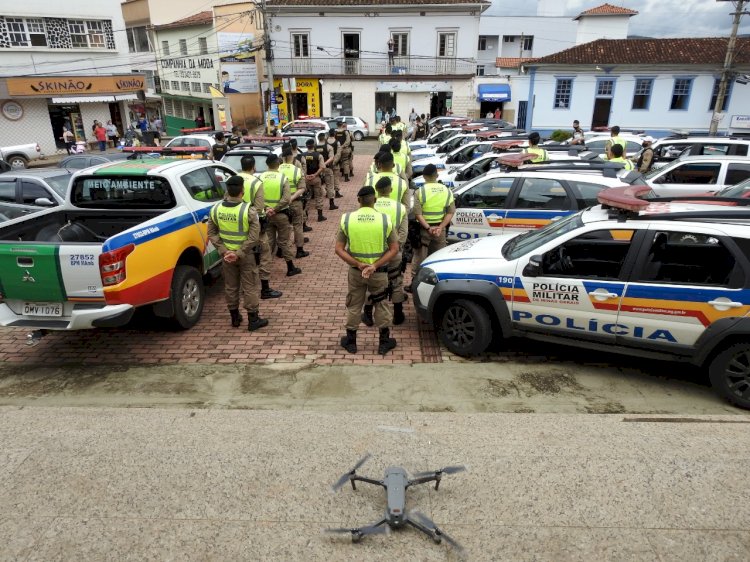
(521, 121)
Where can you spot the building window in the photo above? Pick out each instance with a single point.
(715, 95)
(563, 90)
(165, 47)
(183, 47)
(96, 34)
(175, 85)
(178, 109)
(37, 33)
(301, 45)
(642, 93)
(168, 106)
(528, 43)
(206, 88)
(185, 86)
(447, 45)
(605, 88)
(202, 46)
(138, 40)
(341, 104)
(482, 44)
(480, 70)
(196, 86)
(17, 32)
(681, 93)
(77, 29)
(400, 44)
(509, 39)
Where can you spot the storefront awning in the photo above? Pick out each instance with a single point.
(83, 99)
(494, 92)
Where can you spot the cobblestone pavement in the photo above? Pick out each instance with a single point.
(305, 324)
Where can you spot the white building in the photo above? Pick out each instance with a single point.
(63, 64)
(337, 52)
(655, 85)
(507, 41)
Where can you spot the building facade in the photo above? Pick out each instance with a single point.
(369, 58)
(63, 66)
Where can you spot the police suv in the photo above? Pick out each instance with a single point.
(664, 280)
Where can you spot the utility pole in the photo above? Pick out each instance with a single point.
(725, 73)
(269, 64)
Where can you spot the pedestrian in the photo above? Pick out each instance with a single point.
(112, 133)
(533, 148)
(273, 130)
(413, 116)
(378, 115)
(578, 137)
(387, 118)
(498, 113)
(433, 208)
(313, 166)
(277, 198)
(489, 115)
(615, 138)
(332, 156)
(200, 122)
(367, 242)
(159, 124)
(234, 230)
(344, 139)
(219, 149)
(619, 157)
(399, 187)
(253, 194)
(142, 124)
(69, 139)
(101, 136)
(154, 129)
(391, 51)
(297, 187)
(646, 157)
(398, 214)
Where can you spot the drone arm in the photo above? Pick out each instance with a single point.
(424, 529)
(424, 479)
(356, 478)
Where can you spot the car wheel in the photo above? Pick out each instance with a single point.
(187, 296)
(358, 136)
(729, 373)
(17, 162)
(465, 328)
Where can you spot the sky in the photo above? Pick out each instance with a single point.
(656, 18)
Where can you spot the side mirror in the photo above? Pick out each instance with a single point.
(534, 267)
(44, 202)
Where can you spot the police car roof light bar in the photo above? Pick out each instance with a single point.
(199, 130)
(737, 201)
(202, 151)
(624, 198)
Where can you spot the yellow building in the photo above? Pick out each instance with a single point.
(299, 98)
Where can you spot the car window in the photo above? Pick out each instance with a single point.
(542, 193)
(200, 185)
(122, 192)
(59, 184)
(533, 239)
(737, 173)
(76, 163)
(599, 254)
(492, 193)
(711, 149)
(479, 168)
(692, 173)
(670, 151)
(685, 258)
(31, 191)
(221, 175)
(738, 149)
(8, 191)
(632, 146)
(739, 190)
(350, 121)
(596, 144)
(176, 142)
(588, 192)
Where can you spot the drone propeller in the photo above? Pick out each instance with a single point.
(344, 477)
(445, 470)
(430, 524)
(358, 533)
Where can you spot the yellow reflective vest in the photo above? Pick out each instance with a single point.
(252, 184)
(627, 164)
(541, 154)
(435, 199)
(293, 175)
(272, 180)
(367, 231)
(398, 185)
(233, 222)
(395, 210)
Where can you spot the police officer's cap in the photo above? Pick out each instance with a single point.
(286, 151)
(310, 142)
(534, 137)
(365, 191)
(236, 180)
(272, 160)
(331, 132)
(342, 122)
(429, 170)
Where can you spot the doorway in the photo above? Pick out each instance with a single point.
(386, 103)
(488, 108)
(440, 103)
(297, 103)
(602, 107)
(116, 116)
(351, 53)
(68, 116)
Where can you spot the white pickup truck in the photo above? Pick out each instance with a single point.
(18, 157)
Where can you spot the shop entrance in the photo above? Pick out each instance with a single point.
(385, 103)
(68, 116)
(298, 105)
(487, 107)
(116, 116)
(440, 103)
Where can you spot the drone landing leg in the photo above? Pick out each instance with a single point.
(364, 479)
(425, 530)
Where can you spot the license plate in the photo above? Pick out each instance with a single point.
(42, 309)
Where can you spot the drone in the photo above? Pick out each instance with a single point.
(395, 482)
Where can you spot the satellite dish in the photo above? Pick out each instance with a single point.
(277, 28)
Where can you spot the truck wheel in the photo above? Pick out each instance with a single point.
(17, 162)
(187, 296)
(358, 136)
(465, 328)
(729, 373)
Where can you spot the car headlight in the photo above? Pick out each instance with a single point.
(426, 275)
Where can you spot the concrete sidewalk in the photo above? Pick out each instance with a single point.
(175, 484)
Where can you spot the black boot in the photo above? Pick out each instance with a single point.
(346, 177)
(266, 292)
(332, 206)
(301, 253)
(338, 194)
(255, 322)
(367, 315)
(305, 239)
(291, 270)
(236, 318)
(306, 228)
(349, 341)
(321, 218)
(386, 341)
(398, 313)
(279, 253)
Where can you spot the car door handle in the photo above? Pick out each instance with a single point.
(205, 219)
(604, 295)
(727, 304)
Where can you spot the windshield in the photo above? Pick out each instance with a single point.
(234, 162)
(738, 190)
(59, 184)
(533, 239)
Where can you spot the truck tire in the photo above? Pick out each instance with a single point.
(465, 328)
(729, 373)
(188, 296)
(17, 162)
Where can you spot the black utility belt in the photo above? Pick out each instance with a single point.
(434, 223)
(381, 269)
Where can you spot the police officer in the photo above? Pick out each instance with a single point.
(253, 194)
(398, 214)
(234, 230)
(646, 157)
(277, 198)
(374, 167)
(399, 185)
(344, 139)
(385, 136)
(335, 167)
(314, 166)
(618, 157)
(420, 130)
(297, 188)
(541, 154)
(328, 153)
(234, 138)
(433, 208)
(220, 148)
(367, 242)
(615, 138)
(399, 157)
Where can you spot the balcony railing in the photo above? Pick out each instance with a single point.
(415, 66)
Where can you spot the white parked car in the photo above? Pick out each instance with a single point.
(698, 174)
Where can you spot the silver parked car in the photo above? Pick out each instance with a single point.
(357, 127)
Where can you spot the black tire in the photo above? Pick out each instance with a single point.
(17, 162)
(188, 296)
(729, 373)
(465, 328)
(358, 136)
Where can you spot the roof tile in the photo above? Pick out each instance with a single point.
(607, 10)
(201, 18)
(355, 3)
(511, 62)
